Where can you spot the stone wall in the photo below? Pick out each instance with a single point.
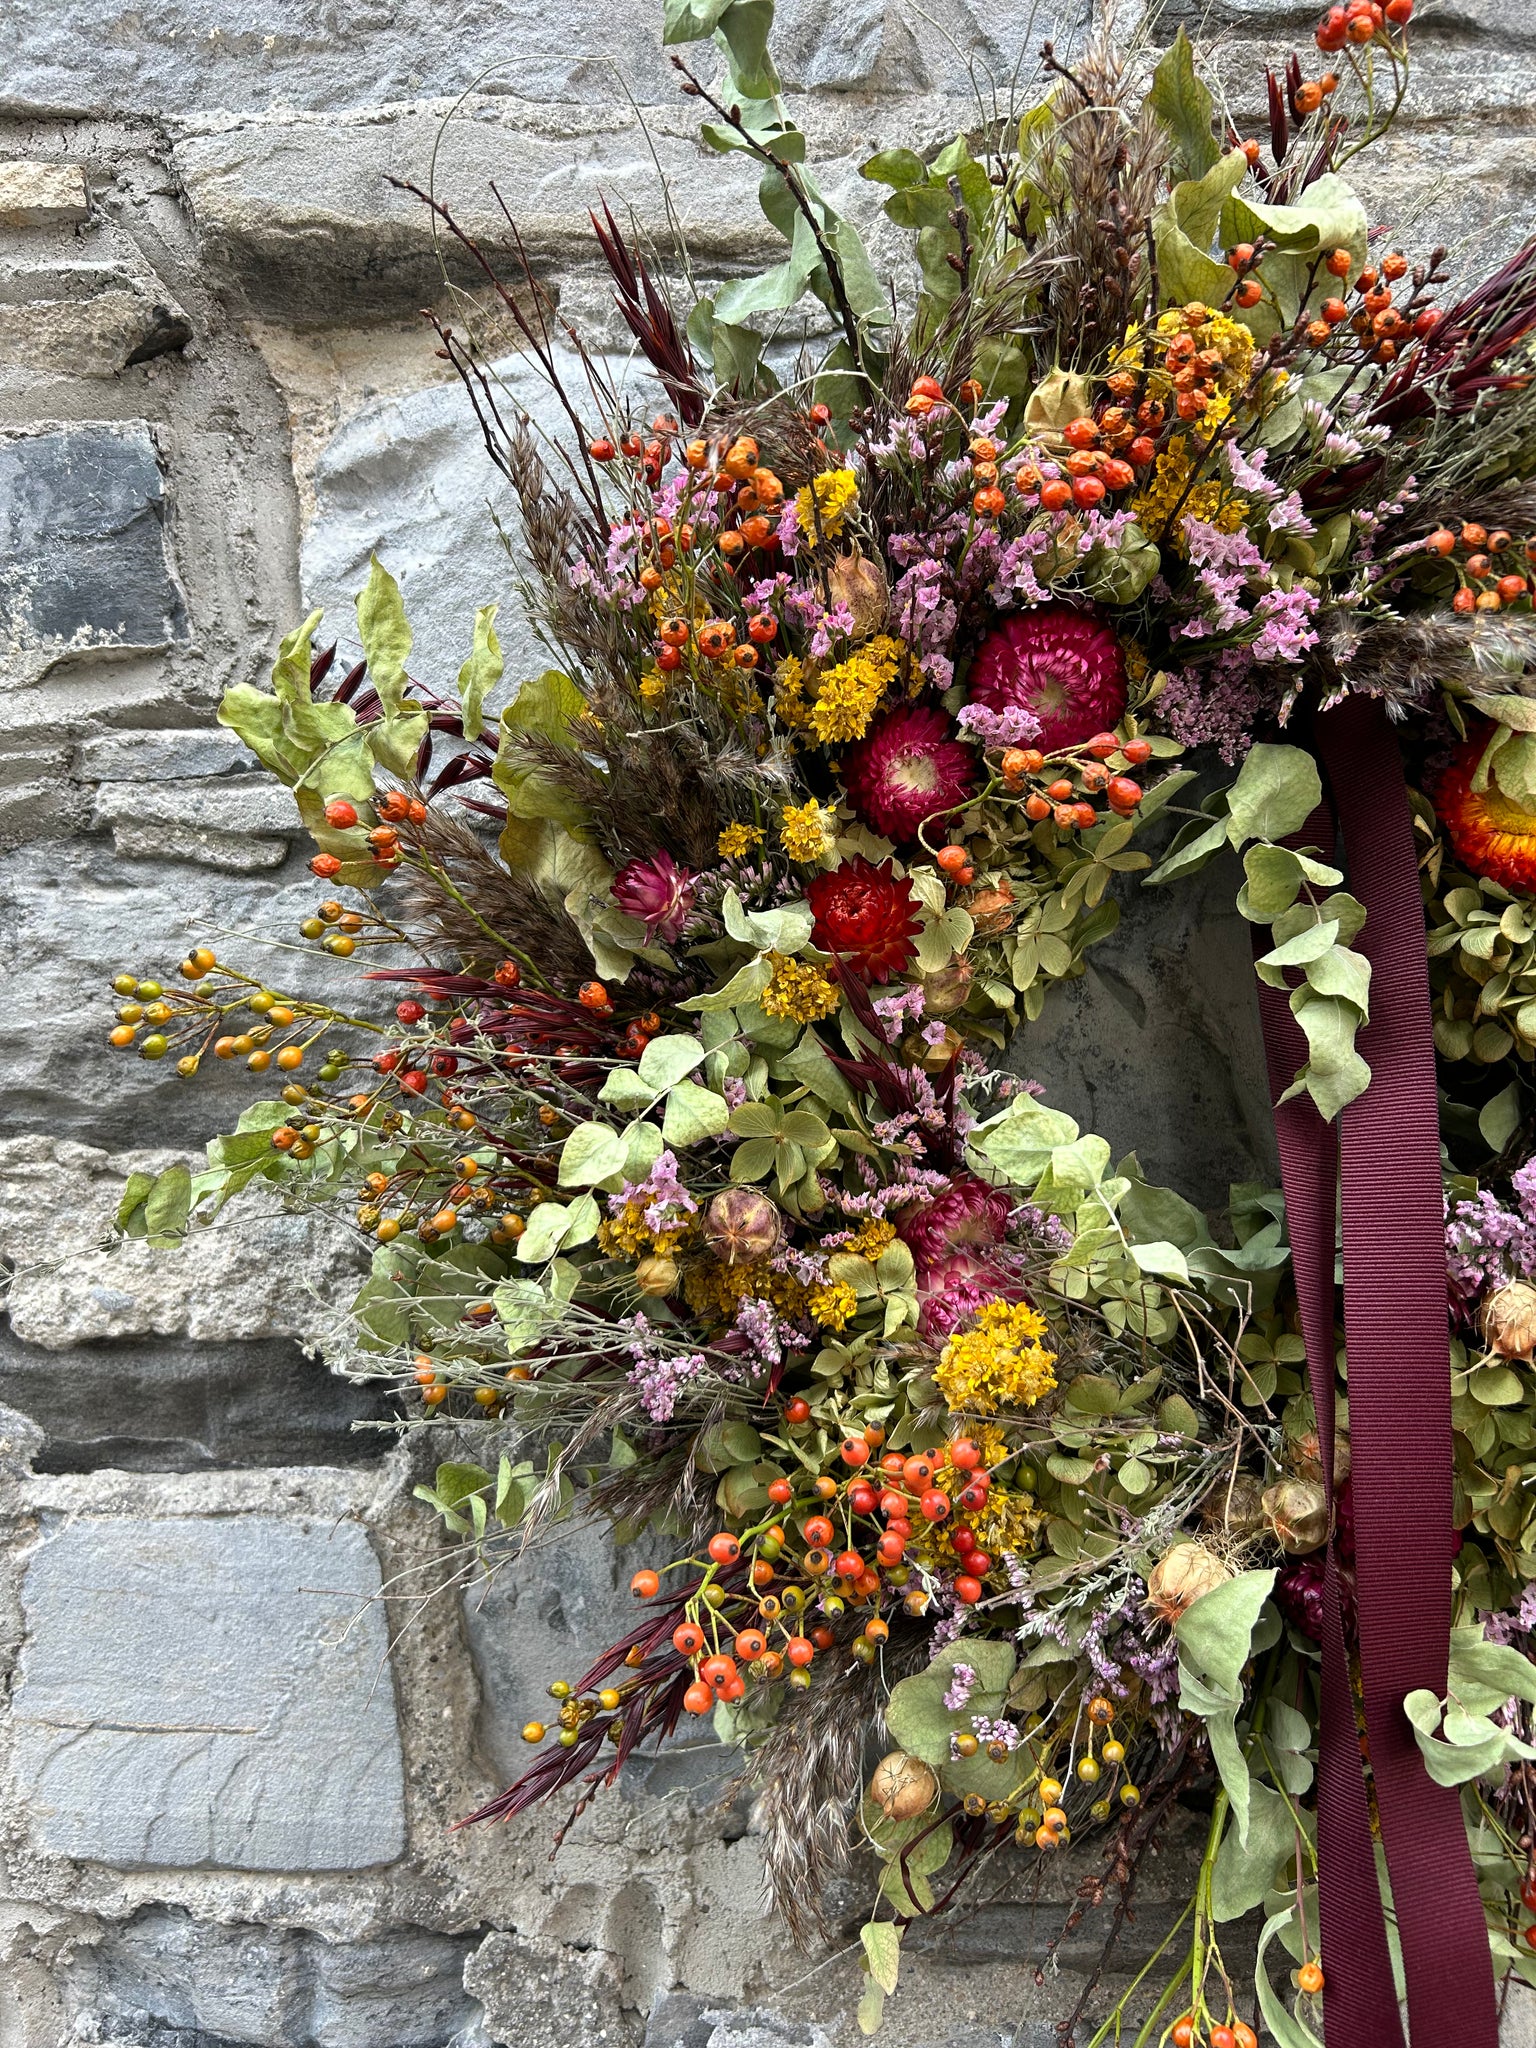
(239, 1730)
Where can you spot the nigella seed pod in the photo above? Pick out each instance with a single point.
(903, 1786)
(741, 1225)
(1236, 1507)
(1187, 1572)
(860, 584)
(1296, 1512)
(656, 1275)
(1509, 1320)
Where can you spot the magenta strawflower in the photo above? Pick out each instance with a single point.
(658, 892)
(1060, 663)
(908, 767)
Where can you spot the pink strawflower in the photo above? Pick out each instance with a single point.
(908, 767)
(967, 1218)
(658, 892)
(1060, 663)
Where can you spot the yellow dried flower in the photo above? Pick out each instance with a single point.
(803, 831)
(847, 694)
(798, 990)
(1212, 500)
(832, 1302)
(1228, 338)
(1001, 1363)
(837, 491)
(789, 686)
(871, 1239)
(629, 1235)
(736, 840)
(653, 685)
(711, 1287)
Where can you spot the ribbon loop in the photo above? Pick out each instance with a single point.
(1397, 1344)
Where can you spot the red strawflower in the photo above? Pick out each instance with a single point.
(866, 916)
(908, 766)
(1059, 662)
(658, 892)
(1489, 832)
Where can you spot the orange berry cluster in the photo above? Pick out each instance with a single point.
(1483, 585)
(927, 394)
(1382, 327)
(1067, 796)
(392, 811)
(1357, 22)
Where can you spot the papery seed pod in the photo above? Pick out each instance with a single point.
(1235, 1506)
(946, 991)
(1305, 1456)
(741, 1225)
(1188, 1571)
(860, 584)
(1509, 1320)
(903, 1786)
(656, 1275)
(1296, 1512)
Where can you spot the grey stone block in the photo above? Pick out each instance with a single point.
(166, 1980)
(180, 1407)
(244, 823)
(82, 527)
(535, 1991)
(163, 754)
(208, 1693)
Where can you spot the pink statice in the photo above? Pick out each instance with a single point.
(659, 1377)
(665, 1203)
(1217, 704)
(1488, 1243)
(1013, 726)
(962, 1683)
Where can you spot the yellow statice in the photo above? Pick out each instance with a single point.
(653, 686)
(798, 990)
(1000, 1364)
(1211, 501)
(712, 1289)
(836, 493)
(1228, 338)
(803, 831)
(631, 1236)
(871, 1239)
(832, 1302)
(847, 694)
(737, 840)
(790, 681)
(1008, 1520)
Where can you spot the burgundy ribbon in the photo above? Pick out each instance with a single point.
(1400, 1437)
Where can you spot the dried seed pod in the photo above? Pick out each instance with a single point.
(1184, 1574)
(741, 1225)
(1235, 1507)
(860, 584)
(1509, 1320)
(903, 1786)
(1296, 1512)
(656, 1275)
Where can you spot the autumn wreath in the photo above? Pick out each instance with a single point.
(995, 1495)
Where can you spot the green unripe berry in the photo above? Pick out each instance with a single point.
(312, 928)
(125, 984)
(154, 1047)
(148, 990)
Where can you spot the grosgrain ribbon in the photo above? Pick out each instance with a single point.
(1400, 1438)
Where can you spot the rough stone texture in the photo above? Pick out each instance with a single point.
(217, 397)
(38, 195)
(232, 1712)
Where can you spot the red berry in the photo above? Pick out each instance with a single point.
(854, 1451)
(1087, 491)
(848, 1565)
(978, 1563)
(325, 865)
(698, 1699)
(797, 1411)
(934, 1505)
(668, 659)
(724, 1548)
(601, 450)
(964, 1455)
(862, 1498)
(1250, 291)
(963, 1539)
(340, 814)
(800, 1650)
(593, 996)
(1124, 793)
(1117, 475)
(780, 1492)
(409, 1012)
(1528, 1891)
(1398, 12)
(415, 1081)
(967, 1590)
(687, 1639)
(817, 1531)
(927, 387)
(645, 1585)
(891, 1548)
(1056, 495)
(1137, 752)
(917, 1472)
(952, 858)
